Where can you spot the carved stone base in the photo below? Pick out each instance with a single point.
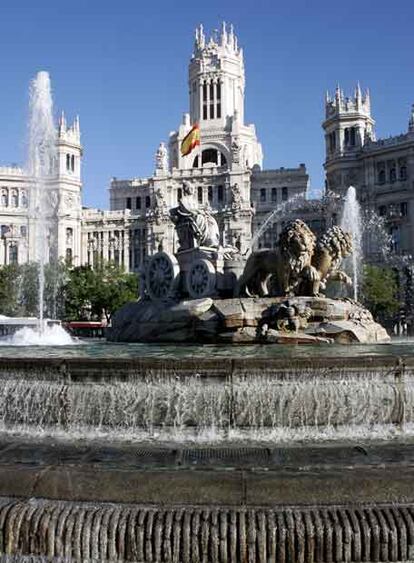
(281, 320)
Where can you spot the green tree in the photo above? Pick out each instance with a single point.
(379, 291)
(10, 281)
(93, 294)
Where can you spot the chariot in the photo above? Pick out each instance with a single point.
(197, 272)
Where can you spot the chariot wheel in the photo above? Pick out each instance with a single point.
(201, 279)
(162, 276)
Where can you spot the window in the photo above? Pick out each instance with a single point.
(13, 254)
(263, 195)
(218, 100)
(209, 155)
(179, 194)
(404, 208)
(284, 194)
(393, 174)
(382, 210)
(138, 203)
(5, 198)
(211, 101)
(204, 91)
(332, 141)
(381, 177)
(195, 163)
(72, 163)
(15, 198)
(350, 136)
(403, 173)
(147, 201)
(210, 194)
(4, 230)
(24, 199)
(128, 203)
(200, 194)
(220, 193)
(274, 195)
(69, 236)
(68, 256)
(68, 162)
(23, 231)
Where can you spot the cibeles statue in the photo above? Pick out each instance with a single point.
(195, 225)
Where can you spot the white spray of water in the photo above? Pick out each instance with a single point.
(285, 207)
(54, 335)
(351, 222)
(42, 156)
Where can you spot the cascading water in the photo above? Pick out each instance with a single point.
(352, 223)
(42, 156)
(285, 207)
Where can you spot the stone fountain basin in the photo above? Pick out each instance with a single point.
(241, 320)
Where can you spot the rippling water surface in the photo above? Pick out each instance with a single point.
(102, 349)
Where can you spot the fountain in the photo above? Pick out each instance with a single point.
(42, 159)
(41, 166)
(180, 446)
(352, 223)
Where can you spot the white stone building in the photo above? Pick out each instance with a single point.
(18, 227)
(381, 170)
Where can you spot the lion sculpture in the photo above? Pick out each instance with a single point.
(331, 248)
(284, 265)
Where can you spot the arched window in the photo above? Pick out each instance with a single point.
(209, 155)
(15, 198)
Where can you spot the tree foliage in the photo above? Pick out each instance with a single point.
(379, 291)
(73, 294)
(94, 294)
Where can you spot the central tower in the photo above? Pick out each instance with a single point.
(216, 78)
(216, 83)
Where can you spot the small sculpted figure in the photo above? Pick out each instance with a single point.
(195, 226)
(285, 264)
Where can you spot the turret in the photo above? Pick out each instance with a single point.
(69, 147)
(411, 121)
(216, 77)
(348, 124)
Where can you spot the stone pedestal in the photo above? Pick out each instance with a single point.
(247, 320)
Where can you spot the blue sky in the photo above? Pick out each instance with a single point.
(122, 66)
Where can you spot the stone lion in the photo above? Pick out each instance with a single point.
(284, 264)
(331, 248)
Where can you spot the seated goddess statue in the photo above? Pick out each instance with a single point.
(195, 225)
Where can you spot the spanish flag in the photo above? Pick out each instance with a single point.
(191, 140)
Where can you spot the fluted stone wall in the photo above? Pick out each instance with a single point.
(111, 532)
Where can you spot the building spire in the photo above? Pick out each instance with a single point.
(62, 122)
(411, 122)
